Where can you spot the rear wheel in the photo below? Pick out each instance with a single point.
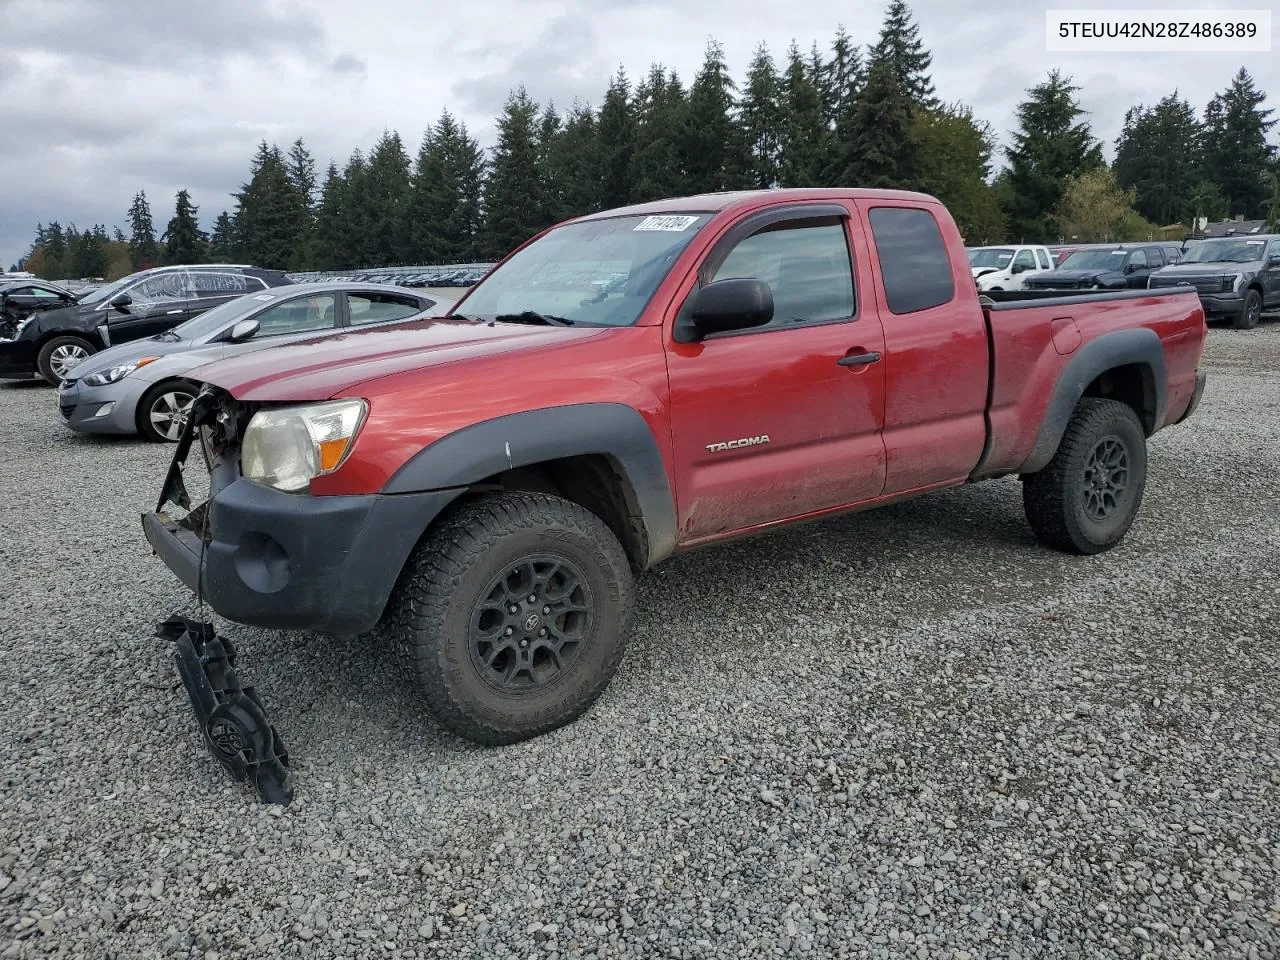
(512, 615)
(1087, 497)
(163, 411)
(59, 355)
(1250, 311)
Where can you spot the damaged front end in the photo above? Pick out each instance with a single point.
(232, 719)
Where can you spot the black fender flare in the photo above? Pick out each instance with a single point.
(1140, 346)
(615, 430)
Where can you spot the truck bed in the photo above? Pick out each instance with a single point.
(1035, 335)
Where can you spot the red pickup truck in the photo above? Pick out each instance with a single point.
(640, 382)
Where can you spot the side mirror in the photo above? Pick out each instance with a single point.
(1130, 267)
(1273, 260)
(736, 304)
(1020, 268)
(122, 302)
(243, 330)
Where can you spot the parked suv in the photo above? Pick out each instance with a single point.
(1103, 268)
(1007, 268)
(140, 305)
(1236, 277)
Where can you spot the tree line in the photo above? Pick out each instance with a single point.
(846, 115)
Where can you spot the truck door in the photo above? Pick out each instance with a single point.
(1271, 275)
(935, 338)
(781, 420)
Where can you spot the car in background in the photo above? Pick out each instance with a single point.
(142, 386)
(1107, 267)
(21, 299)
(140, 305)
(1007, 267)
(1236, 277)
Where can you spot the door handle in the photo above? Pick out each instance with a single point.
(858, 359)
(170, 313)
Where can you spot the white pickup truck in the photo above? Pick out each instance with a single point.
(1005, 268)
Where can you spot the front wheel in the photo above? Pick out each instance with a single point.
(512, 615)
(1087, 497)
(163, 411)
(1250, 311)
(60, 355)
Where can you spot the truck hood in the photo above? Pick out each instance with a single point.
(1207, 269)
(983, 271)
(1073, 277)
(330, 366)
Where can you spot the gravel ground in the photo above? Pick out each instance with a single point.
(906, 733)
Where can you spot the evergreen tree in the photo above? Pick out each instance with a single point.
(655, 165)
(356, 217)
(301, 169)
(880, 150)
(805, 139)
(550, 129)
(514, 202)
(1157, 157)
(117, 236)
(901, 47)
(839, 80)
(268, 212)
(1207, 203)
(143, 249)
(706, 131)
(757, 130)
(1051, 146)
(955, 165)
(328, 238)
(182, 238)
(445, 201)
(616, 132)
(576, 162)
(54, 246)
(387, 191)
(1236, 153)
(222, 243)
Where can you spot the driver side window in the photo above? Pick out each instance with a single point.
(161, 288)
(1025, 260)
(300, 315)
(1138, 259)
(805, 263)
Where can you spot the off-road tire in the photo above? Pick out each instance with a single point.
(45, 357)
(430, 616)
(1055, 498)
(1250, 311)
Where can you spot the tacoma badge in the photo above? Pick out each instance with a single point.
(735, 444)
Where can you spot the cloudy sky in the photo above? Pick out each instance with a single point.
(101, 98)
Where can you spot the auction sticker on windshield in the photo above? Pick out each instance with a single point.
(672, 224)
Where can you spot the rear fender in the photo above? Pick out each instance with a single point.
(1139, 347)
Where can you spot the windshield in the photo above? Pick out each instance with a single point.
(990, 257)
(1094, 260)
(592, 272)
(220, 316)
(1225, 251)
(110, 290)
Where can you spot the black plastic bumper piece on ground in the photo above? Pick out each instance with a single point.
(231, 717)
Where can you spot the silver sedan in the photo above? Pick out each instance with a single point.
(141, 386)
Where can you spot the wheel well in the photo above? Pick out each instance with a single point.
(1255, 285)
(594, 481)
(90, 338)
(1134, 385)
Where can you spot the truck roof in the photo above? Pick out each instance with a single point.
(745, 199)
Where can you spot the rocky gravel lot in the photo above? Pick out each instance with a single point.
(910, 733)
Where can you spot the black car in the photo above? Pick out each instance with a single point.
(142, 304)
(19, 299)
(1236, 277)
(1102, 268)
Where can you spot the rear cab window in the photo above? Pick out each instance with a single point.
(914, 266)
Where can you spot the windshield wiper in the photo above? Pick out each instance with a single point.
(532, 316)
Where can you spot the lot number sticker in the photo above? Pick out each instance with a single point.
(671, 224)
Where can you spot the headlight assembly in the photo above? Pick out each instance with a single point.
(116, 373)
(287, 447)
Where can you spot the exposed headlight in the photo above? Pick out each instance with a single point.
(287, 447)
(22, 325)
(118, 372)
